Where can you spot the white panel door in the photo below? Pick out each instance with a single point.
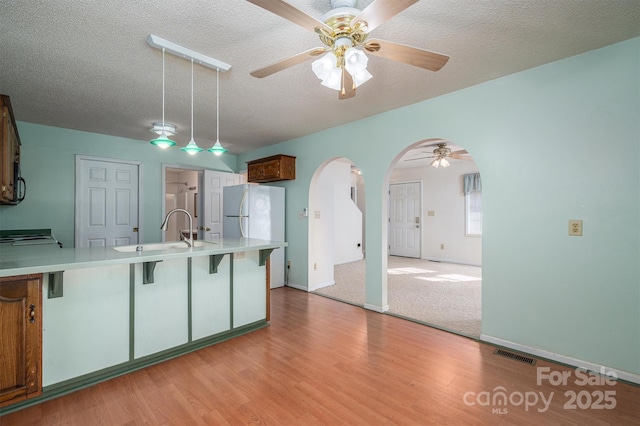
(106, 202)
(404, 219)
(211, 225)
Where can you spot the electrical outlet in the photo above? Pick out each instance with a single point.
(315, 266)
(288, 264)
(575, 227)
(441, 246)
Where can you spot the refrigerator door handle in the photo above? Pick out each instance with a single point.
(240, 215)
(242, 234)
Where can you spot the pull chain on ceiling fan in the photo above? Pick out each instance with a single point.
(344, 32)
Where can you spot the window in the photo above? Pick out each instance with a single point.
(473, 204)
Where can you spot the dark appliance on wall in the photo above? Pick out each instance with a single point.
(13, 187)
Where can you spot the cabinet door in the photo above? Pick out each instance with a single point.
(161, 311)
(87, 329)
(271, 169)
(255, 172)
(210, 297)
(7, 166)
(20, 334)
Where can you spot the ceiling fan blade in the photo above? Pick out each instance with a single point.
(418, 158)
(292, 14)
(409, 55)
(379, 11)
(461, 157)
(347, 89)
(289, 62)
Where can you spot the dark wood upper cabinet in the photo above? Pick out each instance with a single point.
(10, 179)
(272, 169)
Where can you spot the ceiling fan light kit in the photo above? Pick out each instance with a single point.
(165, 129)
(440, 162)
(344, 31)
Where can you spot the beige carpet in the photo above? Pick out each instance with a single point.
(444, 295)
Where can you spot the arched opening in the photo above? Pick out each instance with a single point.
(435, 237)
(336, 232)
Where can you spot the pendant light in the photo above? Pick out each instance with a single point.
(163, 141)
(192, 147)
(217, 148)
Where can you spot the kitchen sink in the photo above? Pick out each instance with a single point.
(160, 246)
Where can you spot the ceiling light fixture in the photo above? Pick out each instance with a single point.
(192, 147)
(159, 128)
(163, 141)
(343, 54)
(217, 147)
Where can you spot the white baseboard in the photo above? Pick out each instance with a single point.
(297, 286)
(563, 359)
(379, 309)
(458, 262)
(321, 285)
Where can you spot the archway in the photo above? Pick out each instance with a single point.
(336, 231)
(442, 286)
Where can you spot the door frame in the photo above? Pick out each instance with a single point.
(77, 212)
(200, 171)
(420, 203)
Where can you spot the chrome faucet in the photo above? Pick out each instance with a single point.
(165, 225)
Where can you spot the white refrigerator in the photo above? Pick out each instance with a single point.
(256, 211)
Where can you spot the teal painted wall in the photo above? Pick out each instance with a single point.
(557, 142)
(48, 156)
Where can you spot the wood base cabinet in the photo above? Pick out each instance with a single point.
(20, 338)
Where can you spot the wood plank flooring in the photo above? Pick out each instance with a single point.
(323, 362)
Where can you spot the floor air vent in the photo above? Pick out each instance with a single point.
(517, 357)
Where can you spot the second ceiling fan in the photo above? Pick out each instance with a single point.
(344, 32)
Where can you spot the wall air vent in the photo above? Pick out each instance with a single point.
(515, 356)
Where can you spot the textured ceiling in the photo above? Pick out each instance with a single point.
(85, 64)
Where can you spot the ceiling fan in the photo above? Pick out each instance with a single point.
(441, 153)
(344, 31)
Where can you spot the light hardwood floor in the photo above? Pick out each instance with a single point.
(327, 362)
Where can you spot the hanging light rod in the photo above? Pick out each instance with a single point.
(183, 52)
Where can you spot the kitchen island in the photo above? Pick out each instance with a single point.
(106, 311)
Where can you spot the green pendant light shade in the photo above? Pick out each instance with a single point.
(192, 148)
(163, 141)
(217, 148)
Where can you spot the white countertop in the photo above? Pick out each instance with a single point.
(32, 259)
